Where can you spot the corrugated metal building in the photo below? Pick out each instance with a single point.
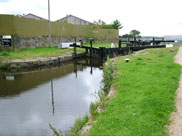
(74, 20)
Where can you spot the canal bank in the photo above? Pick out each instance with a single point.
(19, 64)
(145, 95)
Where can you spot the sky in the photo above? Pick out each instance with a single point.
(150, 17)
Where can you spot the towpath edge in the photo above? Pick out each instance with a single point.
(175, 128)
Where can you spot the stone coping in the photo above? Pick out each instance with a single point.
(39, 62)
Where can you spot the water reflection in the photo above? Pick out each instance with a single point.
(58, 96)
(52, 94)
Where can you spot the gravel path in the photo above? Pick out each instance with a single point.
(175, 128)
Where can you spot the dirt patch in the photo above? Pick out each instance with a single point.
(178, 57)
(175, 128)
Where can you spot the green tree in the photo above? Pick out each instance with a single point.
(126, 36)
(135, 33)
(116, 24)
(99, 22)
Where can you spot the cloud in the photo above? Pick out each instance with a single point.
(4, 0)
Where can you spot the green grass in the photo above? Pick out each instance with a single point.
(32, 53)
(145, 96)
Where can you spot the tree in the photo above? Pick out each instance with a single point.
(116, 24)
(99, 22)
(135, 33)
(126, 36)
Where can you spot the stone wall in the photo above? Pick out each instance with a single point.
(1, 41)
(33, 42)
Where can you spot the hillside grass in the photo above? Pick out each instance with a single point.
(145, 96)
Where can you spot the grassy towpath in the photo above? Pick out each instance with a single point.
(145, 96)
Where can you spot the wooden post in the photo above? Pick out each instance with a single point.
(75, 48)
(153, 41)
(119, 43)
(103, 53)
(86, 50)
(91, 47)
(135, 41)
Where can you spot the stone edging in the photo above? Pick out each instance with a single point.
(34, 63)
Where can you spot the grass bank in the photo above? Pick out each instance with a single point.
(145, 96)
(32, 53)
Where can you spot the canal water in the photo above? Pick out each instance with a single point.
(30, 101)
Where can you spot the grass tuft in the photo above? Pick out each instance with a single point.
(79, 123)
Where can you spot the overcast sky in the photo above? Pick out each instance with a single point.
(150, 17)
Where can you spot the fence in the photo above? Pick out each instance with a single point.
(26, 27)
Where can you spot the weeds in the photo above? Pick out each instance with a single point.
(107, 82)
(79, 123)
(107, 76)
(55, 132)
